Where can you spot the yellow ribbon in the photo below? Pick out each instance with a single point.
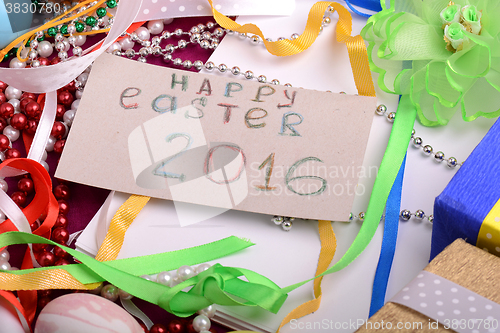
(489, 233)
(356, 47)
(123, 218)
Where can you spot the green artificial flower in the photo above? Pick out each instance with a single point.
(444, 55)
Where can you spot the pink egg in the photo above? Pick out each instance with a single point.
(85, 313)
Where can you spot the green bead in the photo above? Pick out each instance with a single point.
(52, 31)
(101, 12)
(111, 3)
(79, 26)
(64, 29)
(6, 56)
(41, 38)
(91, 21)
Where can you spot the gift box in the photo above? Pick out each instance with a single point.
(457, 291)
(467, 208)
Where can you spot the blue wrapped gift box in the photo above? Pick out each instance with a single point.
(470, 198)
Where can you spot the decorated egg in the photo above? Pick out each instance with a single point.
(84, 313)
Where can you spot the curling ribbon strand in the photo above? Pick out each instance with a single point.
(355, 45)
(388, 243)
(328, 247)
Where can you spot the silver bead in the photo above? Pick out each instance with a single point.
(419, 214)
(166, 34)
(33, 54)
(327, 20)
(222, 68)
(439, 156)
(214, 44)
(286, 225)
(144, 51)
(209, 65)
(417, 142)
(427, 150)
(195, 37)
(351, 217)
(242, 35)
(281, 38)
(287, 84)
(156, 51)
(405, 215)
(255, 39)
(201, 27)
(430, 218)
(198, 64)
(391, 116)
(35, 63)
(187, 64)
(59, 37)
(277, 220)
(169, 48)
(60, 46)
(275, 82)
(63, 55)
(361, 216)
(146, 43)
(178, 32)
(229, 32)
(218, 32)
(294, 36)
(167, 57)
(77, 51)
(381, 109)
(177, 62)
(412, 133)
(117, 53)
(195, 30)
(141, 59)
(269, 40)
(72, 40)
(71, 28)
(210, 25)
(156, 40)
(182, 43)
(452, 161)
(206, 35)
(130, 53)
(134, 37)
(235, 70)
(34, 44)
(262, 79)
(205, 44)
(249, 75)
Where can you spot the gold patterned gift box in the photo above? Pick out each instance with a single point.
(457, 291)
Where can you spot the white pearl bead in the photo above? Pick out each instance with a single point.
(113, 47)
(110, 292)
(155, 27)
(168, 20)
(68, 117)
(50, 143)
(11, 133)
(66, 45)
(13, 93)
(2, 216)
(4, 264)
(165, 278)
(142, 33)
(79, 94)
(80, 40)
(209, 311)
(126, 43)
(45, 49)
(201, 323)
(44, 155)
(45, 165)
(4, 187)
(124, 295)
(16, 103)
(147, 277)
(82, 78)
(16, 63)
(5, 255)
(14, 268)
(75, 104)
(185, 272)
(201, 268)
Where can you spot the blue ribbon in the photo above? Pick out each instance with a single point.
(391, 223)
(367, 4)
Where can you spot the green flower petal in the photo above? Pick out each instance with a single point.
(474, 62)
(474, 104)
(437, 85)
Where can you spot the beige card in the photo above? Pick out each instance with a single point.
(218, 141)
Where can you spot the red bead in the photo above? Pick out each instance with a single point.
(19, 198)
(6, 110)
(63, 207)
(61, 262)
(38, 248)
(59, 146)
(12, 153)
(60, 253)
(71, 87)
(33, 110)
(65, 98)
(44, 61)
(144, 327)
(60, 110)
(158, 328)
(55, 60)
(58, 130)
(42, 302)
(24, 102)
(34, 226)
(190, 328)
(46, 258)
(44, 293)
(32, 126)
(213, 330)
(3, 86)
(3, 99)
(26, 185)
(28, 95)
(176, 326)
(60, 235)
(61, 192)
(19, 121)
(62, 221)
(4, 142)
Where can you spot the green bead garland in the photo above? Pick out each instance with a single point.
(91, 21)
